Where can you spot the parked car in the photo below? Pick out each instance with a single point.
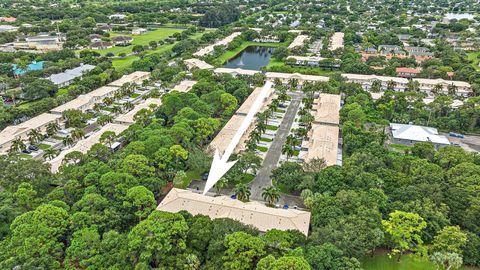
(26, 151)
(205, 176)
(456, 135)
(32, 148)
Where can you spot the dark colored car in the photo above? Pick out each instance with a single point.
(33, 148)
(205, 176)
(26, 151)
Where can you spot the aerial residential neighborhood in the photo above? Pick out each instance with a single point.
(238, 135)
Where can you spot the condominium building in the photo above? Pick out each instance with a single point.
(21, 130)
(253, 213)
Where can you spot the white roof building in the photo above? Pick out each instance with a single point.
(410, 134)
(184, 86)
(84, 145)
(252, 213)
(285, 77)
(127, 118)
(223, 42)
(197, 63)
(236, 71)
(65, 78)
(336, 41)
(8, 134)
(298, 41)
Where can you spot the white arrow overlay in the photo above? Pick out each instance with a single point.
(221, 165)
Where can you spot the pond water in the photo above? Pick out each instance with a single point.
(253, 58)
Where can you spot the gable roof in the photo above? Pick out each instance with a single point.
(252, 213)
(417, 133)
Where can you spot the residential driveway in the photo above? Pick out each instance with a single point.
(275, 151)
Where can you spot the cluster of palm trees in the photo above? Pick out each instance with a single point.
(126, 89)
(270, 194)
(34, 136)
(288, 147)
(262, 123)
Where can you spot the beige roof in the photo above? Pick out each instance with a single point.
(376, 96)
(252, 213)
(223, 42)
(9, 133)
(298, 41)
(128, 117)
(196, 63)
(245, 107)
(443, 82)
(371, 78)
(225, 135)
(323, 143)
(327, 109)
(298, 76)
(307, 58)
(76, 104)
(184, 86)
(336, 41)
(136, 77)
(236, 71)
(103, 91)
(84, 145)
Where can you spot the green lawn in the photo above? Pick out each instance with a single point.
(43, 146)
(156, 35)
(474, 56)
(262, 139)
(127, 61)
(279, 66)
(408, 262)
(262, 148)
(400, 147)
(272, 127)
(25, 156)
(230, 54)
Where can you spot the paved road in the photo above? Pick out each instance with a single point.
(275, 151)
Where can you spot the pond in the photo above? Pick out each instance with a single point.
(253, 58)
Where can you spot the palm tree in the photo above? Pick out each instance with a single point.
(50, 153)
(68, 140)
(108, 101)
(78, 134)
(452, 89)
(437, 88)
(34, 136)
(17, 145)
(261, 127)
(413, 86)
(116, 109)
(127, 106)
(307, 119)
(242, 191)
(255, 136)
(287, 150)
(103, 119)
(97, 107)
(282, 94)
(391, 85)
(271, 195)
(251, 145)
(52, 128)
(291, 140)
(220, 184)
(376, 86)
(277, 83)
(293, 83)
(301, 132)
(262, 117)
